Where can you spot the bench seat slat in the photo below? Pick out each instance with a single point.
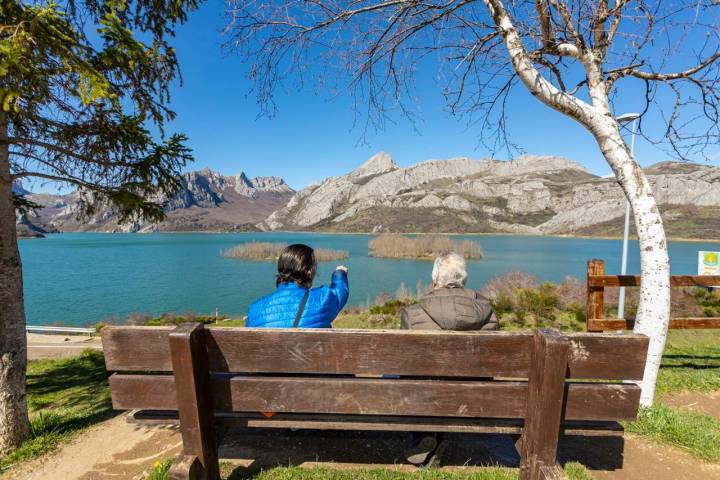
(366, 352)
(432, 398)
(378, 423)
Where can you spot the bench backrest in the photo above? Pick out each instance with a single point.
(442, 374)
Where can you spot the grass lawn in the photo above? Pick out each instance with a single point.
(64, 396)
(574, 471)
(695, 433)
(691, 361)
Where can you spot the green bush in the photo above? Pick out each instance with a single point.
(391, 307)
(539, 302)
(174, 319)
(709, 301)
(503, 304)
(533, 306)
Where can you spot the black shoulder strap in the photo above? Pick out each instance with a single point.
(301, 309)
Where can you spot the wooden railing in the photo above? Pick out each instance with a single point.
(597, 281)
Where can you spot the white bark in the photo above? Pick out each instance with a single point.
(14, 426)
(653, 314)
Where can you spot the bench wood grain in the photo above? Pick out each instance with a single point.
(535, 386)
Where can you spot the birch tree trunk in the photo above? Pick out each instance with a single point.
(14, 425)
(653, 316)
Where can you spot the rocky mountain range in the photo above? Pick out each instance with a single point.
(207, 201)
(528, 195)
(541, 195)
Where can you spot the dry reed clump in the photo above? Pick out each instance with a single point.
(392, 245)
(572, 293)
(506, 285)
(684, 302)
(269, 251)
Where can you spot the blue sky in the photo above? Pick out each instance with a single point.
(313, 137)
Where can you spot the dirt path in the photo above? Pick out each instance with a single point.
(648, 460)
(118, 450)
(112, 449)
(700, 402)
(42, 346)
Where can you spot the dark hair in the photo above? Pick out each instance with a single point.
(297, 264)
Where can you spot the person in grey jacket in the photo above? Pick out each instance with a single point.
(449, 306)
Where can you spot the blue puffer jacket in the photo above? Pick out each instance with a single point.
(279, 309)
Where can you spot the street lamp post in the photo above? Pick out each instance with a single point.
(623, 119)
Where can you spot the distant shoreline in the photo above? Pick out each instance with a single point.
(469, 234)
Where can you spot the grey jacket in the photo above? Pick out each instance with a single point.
(450, 309)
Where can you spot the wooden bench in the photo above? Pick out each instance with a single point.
(483, 382)
(597, 281)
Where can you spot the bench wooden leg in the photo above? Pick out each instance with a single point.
(185, 467)
(192, 378)
(546, 389)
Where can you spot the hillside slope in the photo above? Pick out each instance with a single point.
(207, 201)
(530, 194)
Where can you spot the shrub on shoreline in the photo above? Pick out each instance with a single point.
(521, 302)
(270, 251)
(519, 299)
(393, 245)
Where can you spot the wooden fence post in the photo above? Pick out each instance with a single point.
(595, 307)
(199, 458)
(546, 392)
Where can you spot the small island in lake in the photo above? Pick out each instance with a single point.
(270, 251)
(423, 247)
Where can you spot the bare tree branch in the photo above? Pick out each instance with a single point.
(664, 77)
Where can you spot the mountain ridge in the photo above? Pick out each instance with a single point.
(207, 201)
(531, 194)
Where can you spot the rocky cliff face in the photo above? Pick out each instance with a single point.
(530, 194)
(207, 201)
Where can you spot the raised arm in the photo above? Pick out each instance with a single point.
(338, 290)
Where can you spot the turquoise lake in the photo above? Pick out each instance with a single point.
(83, 278)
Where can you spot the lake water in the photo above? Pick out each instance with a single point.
(82, 278)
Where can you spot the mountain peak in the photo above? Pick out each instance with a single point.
(547, 162)
(271, 184)
(241, 180)
(378, 164)
(674, 168)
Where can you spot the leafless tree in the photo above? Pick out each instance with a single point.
(580, 58)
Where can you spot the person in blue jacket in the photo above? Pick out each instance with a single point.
(295, 303)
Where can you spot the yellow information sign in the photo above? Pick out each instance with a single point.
(708, 263)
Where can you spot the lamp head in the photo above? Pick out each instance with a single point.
(627, 117)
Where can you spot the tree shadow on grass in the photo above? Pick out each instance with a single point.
(64, 396)
(68, 394)
(68, 383)
(263, 449)
(692, 366)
